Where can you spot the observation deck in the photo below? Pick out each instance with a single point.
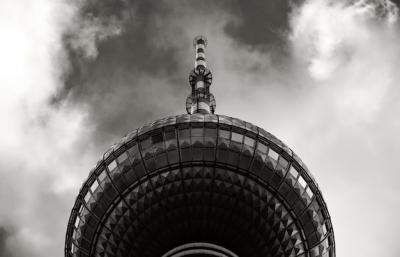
(200, 178)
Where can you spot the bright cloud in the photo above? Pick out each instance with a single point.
(351, 47)
(44, 147)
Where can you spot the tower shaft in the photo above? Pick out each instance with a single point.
(200, 100)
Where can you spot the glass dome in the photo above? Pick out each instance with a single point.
(200, 178)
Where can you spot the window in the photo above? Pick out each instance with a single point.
(77, 221)
(158, 143)
(324, 230)
(309, 192)
(145, 143)
(210, 135)
(249, 141)
(272, 159)
(273, 155)
(112, 166)
(94, 186)
(197, 132)
(184, 137)
(197, 136)
(133, 152)
(80, 210)
(248, 147)
(87, 196)
(283, 163)
(73, 247)
(170, 139)
(302, 182)
(170, 135)
(293, 172)
(102, 175)
(237, 137)
(157, 138)
(261, 147)
(224, 134)
(122, 157)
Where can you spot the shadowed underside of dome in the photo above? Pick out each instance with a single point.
(200, 178)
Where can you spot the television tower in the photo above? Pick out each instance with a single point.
(200, 184)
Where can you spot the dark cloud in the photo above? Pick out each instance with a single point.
(117, 84)
(261, 22)
(143, 61)
(4, 250)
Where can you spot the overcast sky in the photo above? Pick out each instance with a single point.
(76, 75)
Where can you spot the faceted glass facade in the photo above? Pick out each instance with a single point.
(200, 178)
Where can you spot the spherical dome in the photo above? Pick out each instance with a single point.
(210, 180)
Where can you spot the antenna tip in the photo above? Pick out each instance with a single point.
(200, 40)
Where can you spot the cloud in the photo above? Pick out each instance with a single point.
(4, 248)
(351, 47)
(88, 30)
(46, 149)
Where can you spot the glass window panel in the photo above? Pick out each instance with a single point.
(260, 155)
(112, 166)
(293, 172)
(158, 143)
(184, 137)
(236, 146)
(145, 143)
(210, 136)
(197, 132)
(184, 133)
(249, 141)
(324, 229)
(133, 151)
(81, 210)
(170, 135)
(261, 147)
(94, 186)
(122, 157)
(170, 138)
(237, 137)
(198, 141)
(309, 192)
(248, 146)
(272, 154)
(77, 221)
(223, 143)
(302, 182)
(102, 175)
(224, 134)
(210, 132)
(157, 138)
(87, 196)
(283, 162)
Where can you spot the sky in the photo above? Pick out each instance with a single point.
(321, 75)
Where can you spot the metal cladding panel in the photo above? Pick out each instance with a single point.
(191, 169)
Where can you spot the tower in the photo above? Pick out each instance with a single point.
(200, 184)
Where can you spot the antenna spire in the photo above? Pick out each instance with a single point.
(200, 100)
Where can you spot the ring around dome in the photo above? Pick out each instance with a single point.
(199, 178)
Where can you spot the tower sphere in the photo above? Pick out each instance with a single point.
(199, 184)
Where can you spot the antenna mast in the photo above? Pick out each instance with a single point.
(200, 100)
